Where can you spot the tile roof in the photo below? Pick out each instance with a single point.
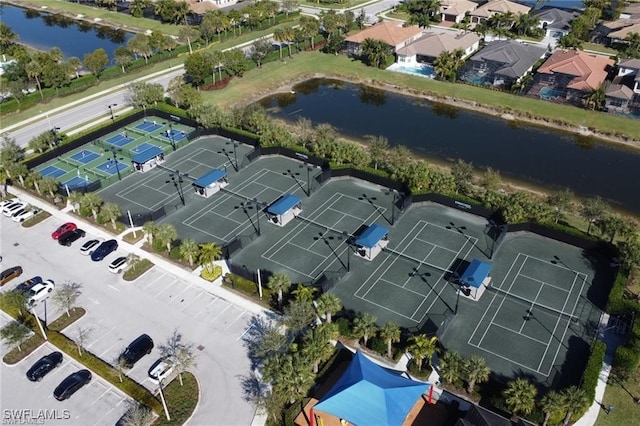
(500, 6)
(624, 32)
(619, 91)
(433, 44)
(588, 71)
(630, 63)
(392, 33)
(632, 9)
(516, 57)
(556, 18)
(457, 7)
(200, 7)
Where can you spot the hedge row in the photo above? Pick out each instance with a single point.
(627, 357)
(592, 370)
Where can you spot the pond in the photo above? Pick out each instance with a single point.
(442, 133)
(41, 30)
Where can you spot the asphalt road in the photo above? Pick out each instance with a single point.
(117, 312)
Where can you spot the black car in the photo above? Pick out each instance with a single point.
(103, 250)
(69, 237)
(71, 384)
(136, 350)
(25, 286)
(43, 366)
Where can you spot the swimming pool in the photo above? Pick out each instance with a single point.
(549, 93)
(421, 70)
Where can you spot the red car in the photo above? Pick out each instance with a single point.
(69, 226)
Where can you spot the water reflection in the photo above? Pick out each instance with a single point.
(372, 96)
(445, 110)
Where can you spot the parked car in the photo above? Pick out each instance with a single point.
(40, 292)
(104, 250)
(26, 214)
(27, 285)
(6, 202)
(9, 274)
(71, 384)
(136, 350)
(88, 247)
(68, 238)
(161, 369)
(9, 210)
(66, 227)
(119, 265)
(43, 366)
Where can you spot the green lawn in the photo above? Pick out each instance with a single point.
(261, 82)
(626, 410)
(347, 4)
(599, 48)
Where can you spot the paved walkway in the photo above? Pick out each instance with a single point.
(215, 288)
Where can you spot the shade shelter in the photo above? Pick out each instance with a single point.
(284, 209)
(372, 241)
(367, 394)
(475, 279)
(147, 159)
(210, 183)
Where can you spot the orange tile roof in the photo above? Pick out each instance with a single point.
(589, 71)
(392, 33)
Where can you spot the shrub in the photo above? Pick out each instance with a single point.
(212, 275)
(131, 274)
(36, 219)
(378, 344)
(592, 370)
(181, 400)
(344, 327)
(241, 284)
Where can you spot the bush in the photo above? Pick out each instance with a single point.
(378, 344)
(592, 370)
(212, 275)
(616, 304)
(131, 274)
(241, 284)
(626, 360)
(181, 400)
(344, 327)
(36, 219)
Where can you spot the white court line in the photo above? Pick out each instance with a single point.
(533, 303)
(399, 286)
(508, 360)
(535, 280)
(546, 344)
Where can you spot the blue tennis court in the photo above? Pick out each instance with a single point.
(148, 126)
(111, 168)
(142, 147)
(85, 156)
(52, 171)
(174, 134)
(119, 140)
(77, 182)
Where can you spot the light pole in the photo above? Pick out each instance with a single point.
(235, 154)
(113, 117)
(345, 235)
(393, 204)
(164, 403)
(309, 168)
(176, 179)
(115, 161)
(173, 142)
(252, 204)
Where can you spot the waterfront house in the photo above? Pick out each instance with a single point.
(555, 21)
(616, 31)
(428, 47)
(455, 10)
(623, 95)
(502, 63)
(392, 33)
(494, 7)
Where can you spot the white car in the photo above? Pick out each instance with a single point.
(5, 203)
(10, 209)
(118, 265)
(161, 369)
(24, 214)
(88, 247)
(40, 291)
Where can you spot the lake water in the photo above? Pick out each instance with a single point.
(41, 30)
(566, 4)
(532, 155)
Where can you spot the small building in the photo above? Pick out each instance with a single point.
(427, 48)
(456, 10)
(494, 7)
(147, 159)
(394, 34)
(210, 183)
(475, 279)
(284, 209)
(372, 241)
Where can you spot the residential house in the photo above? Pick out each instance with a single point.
(556, 21)
(502, 63)
(631, 10)
(455, 10)
(623, 95)
(616, 31)
(568, 75)
(493, 7)
(391, 32)
(428, 47)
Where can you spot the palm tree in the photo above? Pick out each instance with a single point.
(304, 293)
(328, 304)
(476, 371)
(422, 347)
(520, 396)
(451, 367)
(167, 234)
(189, 250)
(280, 283)
(111, 211)
(74, 199)
(209, 253)
(446, 65)
(375, 51)
(279, 36)
(310, 27)
(378, 146)
(92, 201)
(134, 261)
(33, 179)
(596, 98)
(365, 326)
(150, 229)
(574, 400)
(391, 333)
(317, 347)
(550, 404)
(34, 70)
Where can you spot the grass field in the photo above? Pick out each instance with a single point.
(626, 410)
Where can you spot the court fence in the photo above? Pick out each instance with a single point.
(139, 219)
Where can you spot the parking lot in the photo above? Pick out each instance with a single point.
(117, 312)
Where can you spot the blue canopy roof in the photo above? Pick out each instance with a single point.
(209, 178)
(370, 237)
(367, 394)
(283, 205)
(146, 155)
(476, 272)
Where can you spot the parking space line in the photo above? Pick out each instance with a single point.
(108, 349)
(193, 300)
(167, 287)
(236, 319)
(189, 286)
(153, 282)
(246, 330)
(213, 319)
(113, 288)
(107, 390)
(101, 337)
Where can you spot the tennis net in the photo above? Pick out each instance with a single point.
(164, 141)
(181, 174)
(242, 197)
(69, 162)
(136, 131)
(323, 226)
(416, 260)
(531, 305)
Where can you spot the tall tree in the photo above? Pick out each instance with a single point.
(551, 404)
(93, 202)
(279, 283)
(123, 57)
(316, 345)
(520, 396)
(592, 210)
(188, 35)
(209, 253)
(390, 332)
(310, 27)
(328, 304)
(150, 228)
(111, 212)
(451, 367)
(189, 250)
(167, 234)
(375, 52)
(378, 146)
(14, 333)
(7, 36)
(422, 347)
(66, 295)
(364, 326)
(574, 400)
(96, 61)
(561, 202)
(476, 371)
